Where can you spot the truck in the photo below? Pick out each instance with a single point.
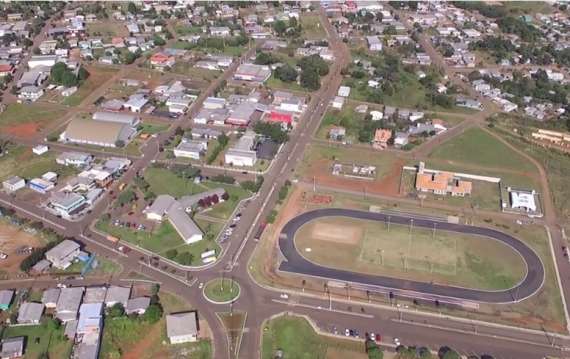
(260, 230)
(122, 187)
(113, 239)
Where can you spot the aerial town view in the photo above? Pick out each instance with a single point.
(285, 180)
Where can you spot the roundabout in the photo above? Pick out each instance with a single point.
(296, 261)
(221, 291)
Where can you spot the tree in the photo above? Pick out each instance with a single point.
(271, 130)
(310, 79)
(286, 73)
(120, 143)
(117, 310)
(264, 58)
(132, 8)
(69, 79)
(153, 313)
(158, 41)
(446, 352)
(82, 74)
(280, 27)
(171, 253)
(184, 258)
(373, 351)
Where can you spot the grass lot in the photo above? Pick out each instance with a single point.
(221, 291)
(312, 28)
(107, 29)
(40, 114)
(104, 267)
(151, 128)
(477, 148)
(165, 237)
(347, 118)
(275, 83)
(46, 338)
(97, 76)
(163, 181)
(527, 7)
(447, 258)
(297, 339)
(188, 69)
(21, 161)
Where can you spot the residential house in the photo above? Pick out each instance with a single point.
(12, 348)
(137, 305)
(50, 297)
(117, 294)
(62, 255)
(191, 149)
(30, 313)
(13, 184)
(182, 327)
(337, 133)
(6, 296)
(30, 93)
(242, 153)
(381, 138)
(68, 303)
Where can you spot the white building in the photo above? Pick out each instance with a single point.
(30, 93)
(63, 254)
(182, 327)
(242, 154)
(191, 149)
(344, 91)
(522, 200)
(374, 43)
(13, 184)
(40, 149)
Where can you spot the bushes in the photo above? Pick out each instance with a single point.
(36, 256)
(251, 185)
(271, 130)
(223, 179)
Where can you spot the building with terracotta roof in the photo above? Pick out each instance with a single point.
(441, 183)
(381, 138)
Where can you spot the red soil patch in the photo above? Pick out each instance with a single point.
(388, 184)
(320, 199)
(24, 130)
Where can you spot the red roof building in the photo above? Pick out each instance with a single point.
(282, 117)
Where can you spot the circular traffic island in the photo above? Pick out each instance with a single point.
(221, 291)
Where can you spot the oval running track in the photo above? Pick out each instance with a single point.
(296, 263)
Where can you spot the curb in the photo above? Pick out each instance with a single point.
(224, 302)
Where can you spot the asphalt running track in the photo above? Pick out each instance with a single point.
(296, 263)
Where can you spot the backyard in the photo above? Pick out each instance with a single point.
(46, 338)
(409, 252)
(21, 161)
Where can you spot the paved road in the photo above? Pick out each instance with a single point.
(296, 263)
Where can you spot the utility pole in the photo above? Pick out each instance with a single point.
(433, 233)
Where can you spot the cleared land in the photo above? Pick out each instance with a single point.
(477, 148)
(21, 161)
(27, 119)
(312, 27)
(411, 253)
(97, 76)
(297, 339)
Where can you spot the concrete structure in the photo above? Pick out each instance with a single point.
(95, 295)
(137, 305)
(13, 184)
(441, 182)
(191, 149)
(242, 153)
(76, 159)
(40, 149)
(374, 43)
(30, 313)
(116, 294)
(522, 200)
(98, 133)
(381, 138)
(40, 185)
(182, 327)
(62, 255)
(122, 118)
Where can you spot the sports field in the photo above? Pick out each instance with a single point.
(410, 252)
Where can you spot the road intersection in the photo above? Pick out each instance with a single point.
(260, 301)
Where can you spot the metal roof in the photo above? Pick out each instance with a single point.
(181, 324)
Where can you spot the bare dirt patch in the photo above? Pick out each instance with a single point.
(12, 238)
(336, 233)
(24, 130)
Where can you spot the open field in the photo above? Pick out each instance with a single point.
(97, 76)
(21, 161)
(543, 311)
(297, 339)
(46, 338)
(319, 159)
(477, 148)
(165, 238)
(27, 119)
(107, 29)
(527, 7)
(275, 83)
(188, 69)
(312, 27)
(412, 253)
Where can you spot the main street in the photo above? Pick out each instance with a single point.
(260, 302)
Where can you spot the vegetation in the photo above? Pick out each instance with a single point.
(274, 131)
(60, 74)
(45, 340)
(36, 256)
(223, 141)
(221, 290)
(252, 186)
(312, 68)
(286, 73)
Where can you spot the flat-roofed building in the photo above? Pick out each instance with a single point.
(123, 118)
(62, 255)
(6, 297)
(12, 348)
(182, 327)
(13, 184)
(252, 72)
(242, 153)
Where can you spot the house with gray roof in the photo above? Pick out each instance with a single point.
(137, 305)
(62, 255)
(182, 327)
(116, 294)
(50, 297)
(12, 347)
(95, 295)
(6, 298)
(30, 313)
(68, 303)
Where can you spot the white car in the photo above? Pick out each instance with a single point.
(284, 296)
(3, 255)
(372, 336)
(347, 332)
(201, 285)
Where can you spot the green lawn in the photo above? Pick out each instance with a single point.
(44, 338)
(443, 257)
(276, 83)
(297, 339)
(219, 290)
(41, 114)
(188, 69)
(312, 27)
(478, 148)
(21, 161)
(165, 238)
(151, 128)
